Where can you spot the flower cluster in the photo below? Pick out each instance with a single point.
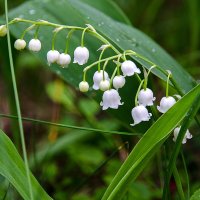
(110, 85)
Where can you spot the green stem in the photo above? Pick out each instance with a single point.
(147, 76)
(67, 126)
(36, 32)
(100, 57)
(18, 106)
(136, 96)
(167, 84)
(186, 175)
(178, 183)
(26, 30)
(113, 75)
(82, 37)
(104, 67)
(69, 35)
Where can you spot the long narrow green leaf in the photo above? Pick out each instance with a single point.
(13, 169)
(150, 142)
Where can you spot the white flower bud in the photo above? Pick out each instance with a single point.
(34, 45)
(98, 77)
(118, 81)
(145, 97)
(104, 85)
(111, 99)
(81, 55)
(3, 30)
(20, 44)
(83, 86)
(188, 135)
(52, 56)
(166, 103)
(139, 114)
(129, 68)
(64, 59)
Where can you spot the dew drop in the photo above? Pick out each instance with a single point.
(88, 17)
(32, 12)
(153, 50)
(99, 24)
(117, 40)
(21, 16)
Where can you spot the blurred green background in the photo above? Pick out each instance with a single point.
(77, 165)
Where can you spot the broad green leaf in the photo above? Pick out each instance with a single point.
(76, 12)
(13, 169)
(149, 144)
(196, 195)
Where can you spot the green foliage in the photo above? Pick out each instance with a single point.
(149, 145)
(196, 195)
(13, 169)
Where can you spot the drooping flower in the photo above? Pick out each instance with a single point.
(111, 99)
(129, 68)
(20, 44)
(64, 59)
(34, 45)
(145, 97)
(98, 77)
(52, 56)
(166, 103)
(188, 135)
(139, 114)
(118, 81)
(104, 85)
(83, 86)
(81, 55)
(3, 30)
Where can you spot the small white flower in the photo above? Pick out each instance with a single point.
(98, 77)
(145, 97)
(118, 81)
(64, 59)
(129, 68)
(83, 86)
(188, 135)
(139, 114)
(104, 85)
(3, 30)
(52, 56)
(166, 103)
(111, 99)
(34, 45)
(81, 55)
(20, 44)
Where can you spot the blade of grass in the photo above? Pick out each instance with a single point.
(186, 122)
(68, 126)
(178, 183)
(186, 176)
(17, 104)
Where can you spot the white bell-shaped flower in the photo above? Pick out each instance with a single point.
(128, 68)
(111, 99)
(81, 55)
(166, 103)
(145, 97)
(188, 135)
(83, 86)
(104, 85)
(3, 30)
(34, 45)
(139, 114)
(98, 77)
(52, 56)
(64, 59)
(20, 44)
(118, 81)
